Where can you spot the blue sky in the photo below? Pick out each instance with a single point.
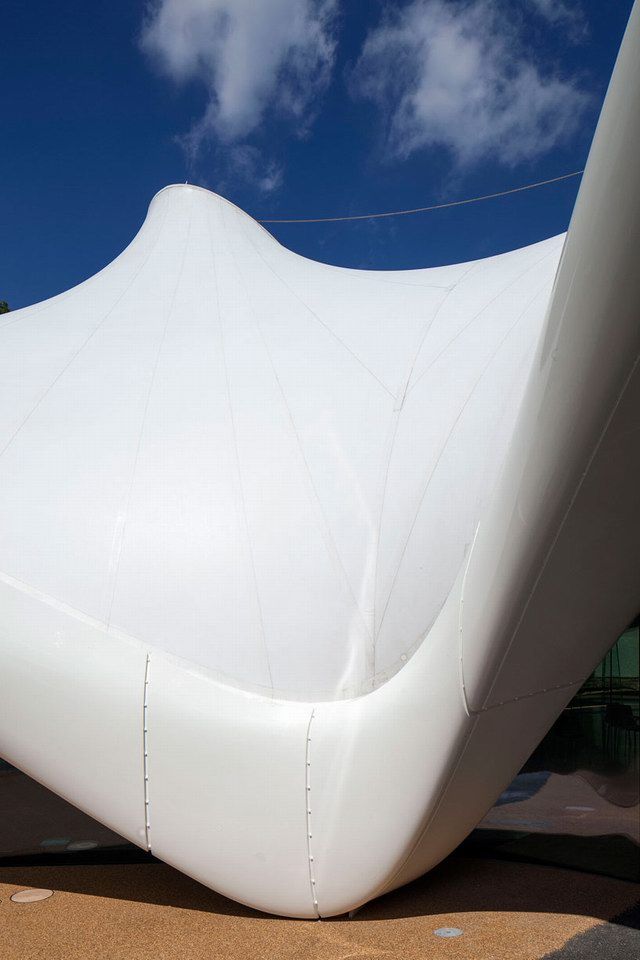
(293, 108)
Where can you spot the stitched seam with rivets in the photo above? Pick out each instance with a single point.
(312, 876)
(145, 746)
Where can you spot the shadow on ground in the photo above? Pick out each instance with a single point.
(459, 884)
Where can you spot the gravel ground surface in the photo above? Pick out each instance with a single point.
(504, 910)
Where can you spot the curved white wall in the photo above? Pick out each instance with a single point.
(292, 577)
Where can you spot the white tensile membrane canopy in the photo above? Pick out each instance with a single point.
(299, 563)
(267, 466)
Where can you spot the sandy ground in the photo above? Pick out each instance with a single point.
(507, 911)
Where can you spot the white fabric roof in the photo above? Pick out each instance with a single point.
(265, 465)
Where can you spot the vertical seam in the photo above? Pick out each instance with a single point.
(84, 343)
(324, 525)
(549, 553)
(532, 266)
(463, 689)
(444, 446)
(145, 745)
(427, 329)
(234, 431)
(325, 326)
(388, 453)
(121, 523)
(434, 811)
(307, 783)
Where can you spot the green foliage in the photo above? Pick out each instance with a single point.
(4, 307)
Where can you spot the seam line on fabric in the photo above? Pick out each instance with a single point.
(145, 747)
(325, 527)
(443, 448)
(565, 516)
(119, 535)
(307, 784)
(236, 447)
(82, 346)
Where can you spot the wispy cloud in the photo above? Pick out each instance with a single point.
(253, 57)
(455, 74)
(570, 16)
(247, 163)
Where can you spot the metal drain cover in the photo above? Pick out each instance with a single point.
(31, 896)
(448, 932)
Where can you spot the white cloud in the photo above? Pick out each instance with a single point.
(567, 15)
(454, 74)
(252, 56)
(247, 163)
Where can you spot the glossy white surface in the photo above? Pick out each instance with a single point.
(71, 707)
(292, 579)
(554, 570)
(229, 768)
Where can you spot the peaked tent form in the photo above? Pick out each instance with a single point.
(299, 563)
